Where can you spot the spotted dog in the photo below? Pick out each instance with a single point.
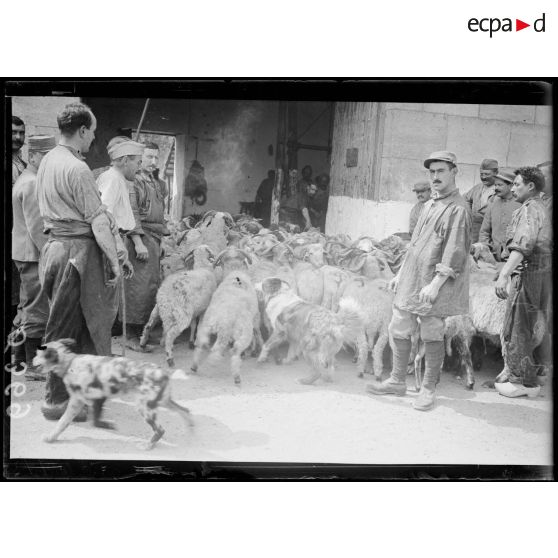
(90, 380)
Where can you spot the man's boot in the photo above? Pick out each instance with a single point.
(33, 372)
(396, 383)
(434, 357)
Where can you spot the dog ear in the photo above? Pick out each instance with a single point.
(51, 355)
(68, 343)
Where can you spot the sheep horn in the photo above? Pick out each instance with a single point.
(219, 257)
(245, 255)
(181, 237)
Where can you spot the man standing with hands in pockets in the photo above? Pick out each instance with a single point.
(433, 281)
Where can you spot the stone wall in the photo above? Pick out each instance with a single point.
(514, 135)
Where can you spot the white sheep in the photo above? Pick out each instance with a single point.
(233, 317)
(181, 298)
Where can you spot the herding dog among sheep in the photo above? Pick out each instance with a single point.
(233, 317)
(312, 331)
(91, 379)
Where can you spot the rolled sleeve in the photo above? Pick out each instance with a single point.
(137, 230)
(86, 194)
(524, 235)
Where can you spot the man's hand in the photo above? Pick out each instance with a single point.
(393, 284)
(115, 268)
(141, 251)
(127, 269)
(501, 286)
(429, 293)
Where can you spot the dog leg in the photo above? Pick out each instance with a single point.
(182, 411)
(235, 365)
(275, 339)
(153, 319)
(361, 353)
(150, 417)
(329, 372)
(97, 411)
(75, 405)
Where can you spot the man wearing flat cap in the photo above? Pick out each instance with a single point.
(423, 191)
(433, 282)
(28, 239)
(498, 216)
(481, 195)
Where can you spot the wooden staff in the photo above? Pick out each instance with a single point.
(123, 299)
(141, 119)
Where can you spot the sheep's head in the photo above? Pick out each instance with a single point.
(171, 264)
(233, 258)
(283, 254)
(314, 253)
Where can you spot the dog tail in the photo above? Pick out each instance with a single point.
(351, 319)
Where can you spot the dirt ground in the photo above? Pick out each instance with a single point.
(273, 418)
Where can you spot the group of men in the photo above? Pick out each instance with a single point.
(433, 282)
(305, 208)
(76, 239)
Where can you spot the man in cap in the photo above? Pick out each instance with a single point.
(125, 156)
(546, 194)
(529, 270)
(28, 239)
(493, 231)
(481, 195)
(433, 281)
(423, 192)
(80, 251)
(18, 139)
(147, 198)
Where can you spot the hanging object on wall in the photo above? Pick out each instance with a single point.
(196, 185)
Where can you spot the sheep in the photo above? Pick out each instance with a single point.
(233, 316)
(181, 298)
(376, 303)
(458, 332)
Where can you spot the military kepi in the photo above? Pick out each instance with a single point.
(447, 156)
(489, 164)
(41, 143)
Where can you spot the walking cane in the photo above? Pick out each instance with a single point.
(123, 299)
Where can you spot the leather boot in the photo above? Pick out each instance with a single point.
(31, 346)
(396, 383)
(434, 357)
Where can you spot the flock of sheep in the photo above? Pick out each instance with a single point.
(211, 267)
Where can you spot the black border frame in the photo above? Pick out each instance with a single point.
(534, 91)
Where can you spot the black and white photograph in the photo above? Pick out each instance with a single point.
(307, 277)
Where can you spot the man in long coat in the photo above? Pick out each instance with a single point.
(433, 282)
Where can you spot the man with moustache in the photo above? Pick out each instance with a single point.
(546, 194)
(529, 269)
(80, 263)
(18, 139)
(147, 198)
(481, 195)
(433, 281)
(27, 241)
(493, 231)
(423, 192)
